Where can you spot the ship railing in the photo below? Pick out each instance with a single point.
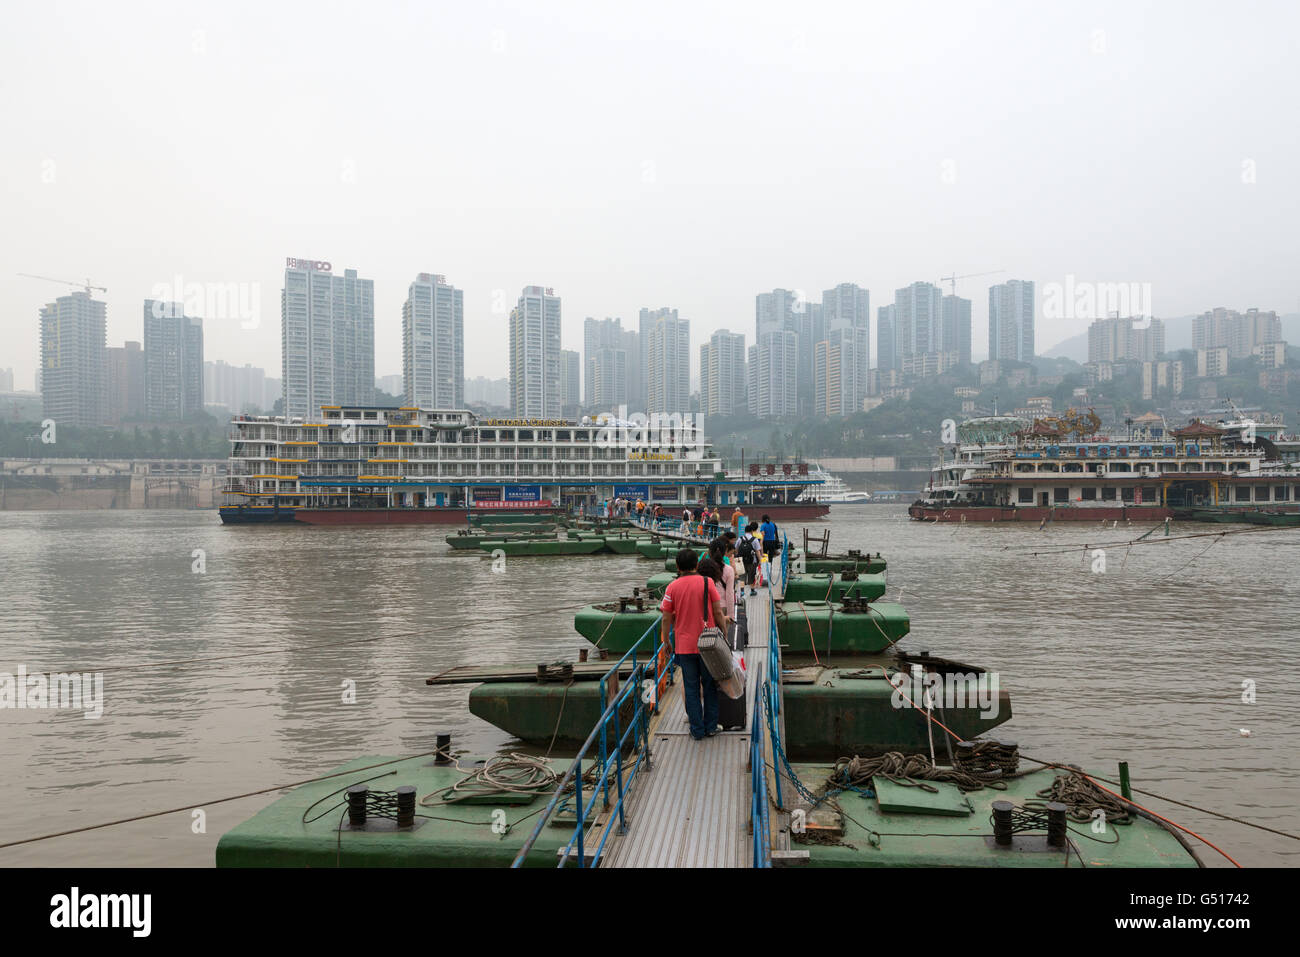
(643, 686)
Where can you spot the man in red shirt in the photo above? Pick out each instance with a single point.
(683, 607)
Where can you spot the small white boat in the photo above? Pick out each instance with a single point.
(833, 491)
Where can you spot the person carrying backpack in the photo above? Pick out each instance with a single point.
(771, 537)
(747, 552)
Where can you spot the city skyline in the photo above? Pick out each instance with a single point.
(617, 213)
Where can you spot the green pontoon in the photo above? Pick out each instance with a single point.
(863, 564)
(658, 583)
(307, 827)
(624, 543)
(548, 546)
(857, 627)
(472, 540)
(829, 587)
(615, 626)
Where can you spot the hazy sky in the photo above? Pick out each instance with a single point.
(630, 155)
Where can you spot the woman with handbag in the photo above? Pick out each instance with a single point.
(691, 604)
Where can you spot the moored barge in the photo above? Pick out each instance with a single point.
(1065, 470)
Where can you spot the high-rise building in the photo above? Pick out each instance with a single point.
(611, 366)
(666, 343)
(7, 379)
(1212, 362)
(1161, 376)
(648, 318)
(847, 304)
(887, 358)
(772, 373)
(1112, 340)
(1241, 334)
(433, 343)
(535, 354)
(570, 382)
(918, 319)
(238, 389)
(846, 318)
(173, 361)
(1011, 321)
(840, 379)
(74, 360)
(723, 377)
(126, 389)
(482, 392)
(956, 335)
(327, 337)
(777, 315)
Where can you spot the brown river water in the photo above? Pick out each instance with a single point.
(1144, 661)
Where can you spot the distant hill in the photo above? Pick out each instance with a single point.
(1178, 335)
(1075, 347)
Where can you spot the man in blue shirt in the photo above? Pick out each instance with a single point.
(771, 544)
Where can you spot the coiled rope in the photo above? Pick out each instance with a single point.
(911, 770)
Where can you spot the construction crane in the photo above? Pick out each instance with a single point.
(952, 280)
(86, 285)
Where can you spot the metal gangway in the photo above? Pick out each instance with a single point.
(643, 793)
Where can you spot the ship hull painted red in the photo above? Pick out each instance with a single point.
(410, 516)
(1036, 513)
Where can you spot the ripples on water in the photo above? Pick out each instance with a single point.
(1143, 663)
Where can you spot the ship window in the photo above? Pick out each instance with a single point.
(1279, 493)
(1089, 493)
(1149, 494)
(1127, 491)
(1243, 493)
(1060, 495)
(1261, 493)
(1108, 494)
(1025, 496)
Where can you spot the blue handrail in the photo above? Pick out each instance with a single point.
(647, 704)
(758, 812)
(611, 759)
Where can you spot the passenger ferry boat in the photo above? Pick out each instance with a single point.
(833, 491)
(402, 465)
(1065, 469)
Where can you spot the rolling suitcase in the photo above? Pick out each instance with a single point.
(715, 654)
(731, 712)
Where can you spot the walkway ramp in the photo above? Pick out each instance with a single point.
(692, 807)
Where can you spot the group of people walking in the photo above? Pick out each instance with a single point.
(703, 595)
